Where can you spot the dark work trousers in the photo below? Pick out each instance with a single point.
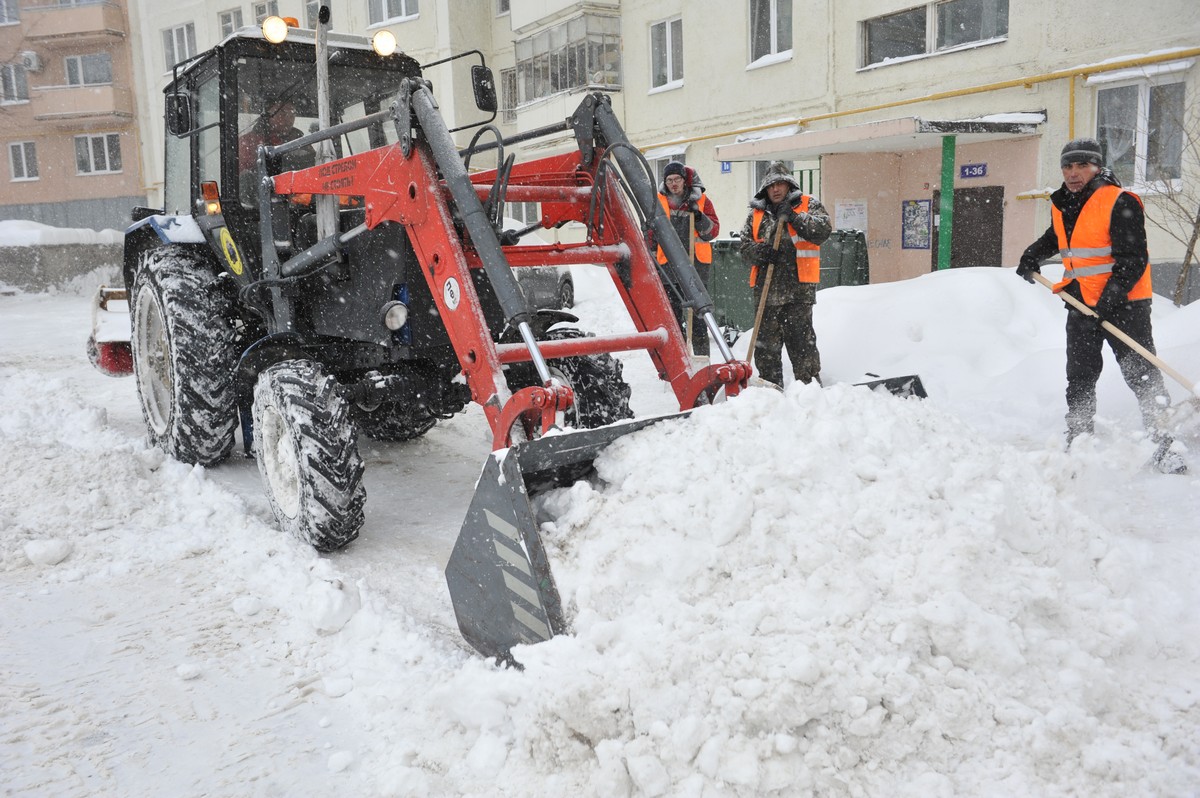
(699, 331)
(1085, 338)
(790, 325)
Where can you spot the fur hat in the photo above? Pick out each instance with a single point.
(674, 168)
(1082, 151)
(777, 172)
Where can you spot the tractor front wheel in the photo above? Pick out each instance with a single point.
(307, 454)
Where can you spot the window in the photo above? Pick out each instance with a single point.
(89, 70)
(501, 7)
(583, 51)
(1140, 127)
(22, 157)
(230, 21)
(526, 213)
(98, 154)
(657, 165)
(9, 13)
(508, 95)
(79, 2)
(666, 53)
(770, 28)
(760, 172)
(966, 21)
(383, 10)
(311, 8)
(933, 28)
(179, 44)
(13, 86)
(264, 10)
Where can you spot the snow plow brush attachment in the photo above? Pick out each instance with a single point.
(498, 574)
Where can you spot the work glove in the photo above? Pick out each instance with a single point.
(1111, 299)
(1027, 268)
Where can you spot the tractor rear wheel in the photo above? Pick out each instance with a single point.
(184, 354)
(601, 393)
(307, 454)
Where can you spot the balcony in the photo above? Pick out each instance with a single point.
(75, 106)
(73, 25)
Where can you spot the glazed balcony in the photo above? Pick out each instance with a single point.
(72, 106)
(72, 25)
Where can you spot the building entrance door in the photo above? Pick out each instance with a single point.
(978, 235)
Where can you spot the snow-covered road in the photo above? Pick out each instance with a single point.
(823, 592)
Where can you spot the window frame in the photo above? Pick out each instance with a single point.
(188, 32)
(503, 7)
(671, 81)
(230, 20)
(575, 54)
(268, 8)
(15, 75)
(932, 13)
(78, 61)
(777, 52)
(383, 7)
(25, 148)
(10, 12)
(109, 140)
(1143, 141)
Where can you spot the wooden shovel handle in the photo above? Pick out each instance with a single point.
(1120, 334)
(762, 301)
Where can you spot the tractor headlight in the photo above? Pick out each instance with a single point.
(384, 42)
(395, 315)
(275, 29)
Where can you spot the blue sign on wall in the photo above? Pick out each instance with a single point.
(726, 167)
(972, 170)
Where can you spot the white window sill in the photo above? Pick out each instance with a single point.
(393, 21)
(24, 179)
(770, 59)
(921, 56)
(675, 84)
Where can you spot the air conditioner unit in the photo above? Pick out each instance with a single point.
(31, 61)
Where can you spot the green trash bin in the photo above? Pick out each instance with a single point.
(844, 259)
(729, 286)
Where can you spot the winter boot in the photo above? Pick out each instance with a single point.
(1166, 461)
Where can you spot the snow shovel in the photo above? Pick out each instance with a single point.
(758, 314)
(1193, 388)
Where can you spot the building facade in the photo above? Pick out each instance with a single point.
(877, 104)
(68, 114)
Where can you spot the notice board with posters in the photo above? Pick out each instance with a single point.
(915, 223)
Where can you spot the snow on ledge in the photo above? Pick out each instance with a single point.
(24, 233)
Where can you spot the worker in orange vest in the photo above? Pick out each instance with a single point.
(1099, 229)
(787, 318)
(691, 212)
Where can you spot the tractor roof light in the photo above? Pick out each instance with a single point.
(383, 42)
(275, 29)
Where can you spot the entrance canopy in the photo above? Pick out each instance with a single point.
(891, 135)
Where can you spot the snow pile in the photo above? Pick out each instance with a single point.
(24, 233)
(881, 603)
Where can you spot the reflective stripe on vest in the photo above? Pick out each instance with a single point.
(703, 249)
(808, 254)
(1087, 257)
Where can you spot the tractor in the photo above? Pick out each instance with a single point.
(327, 265)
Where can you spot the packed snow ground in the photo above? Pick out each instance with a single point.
(821, 592)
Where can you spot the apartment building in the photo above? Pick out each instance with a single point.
(67, 113)
(877, 104)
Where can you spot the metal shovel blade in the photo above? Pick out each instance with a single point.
(899, 386)
(499, 577)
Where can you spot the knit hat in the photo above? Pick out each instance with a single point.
(1082, 151)
(674, 168)
(777, 172)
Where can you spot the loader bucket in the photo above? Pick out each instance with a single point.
(498, 574)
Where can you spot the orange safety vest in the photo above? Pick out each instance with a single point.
(703, 249)
(1088, 257)
(808, 254)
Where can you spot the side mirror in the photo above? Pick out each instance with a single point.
(484, 85)
(179, 114)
